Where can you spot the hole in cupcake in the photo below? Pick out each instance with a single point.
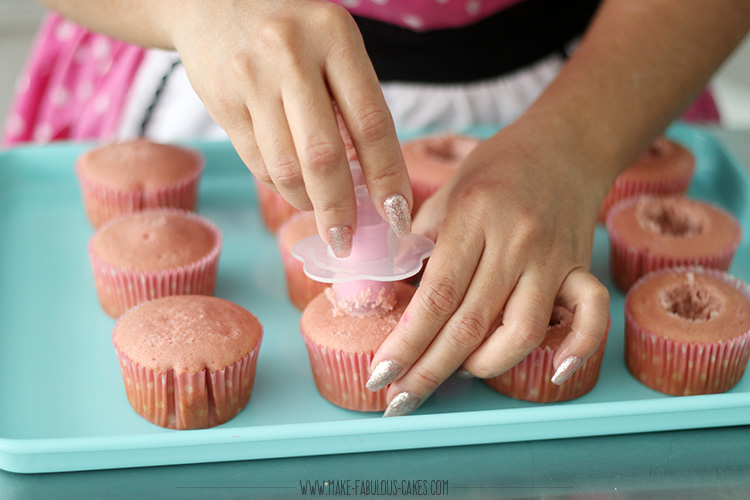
(691, 302)
(668, 217)
(448, 149)
(560, 315)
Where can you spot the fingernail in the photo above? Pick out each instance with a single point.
(403, 404)
(566, 369)
(383, 374)
(397, 213)
(463, 373)
(340, 239)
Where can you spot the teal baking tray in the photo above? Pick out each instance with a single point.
(63, 404)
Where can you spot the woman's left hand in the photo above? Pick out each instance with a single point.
(514, 231)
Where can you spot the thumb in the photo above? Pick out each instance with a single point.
(429, 219)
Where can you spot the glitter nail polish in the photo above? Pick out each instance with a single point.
(403, 404)
(397, 212)
(383, 374)
(340, 240)
(566, 369)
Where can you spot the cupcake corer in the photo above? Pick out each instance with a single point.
(363, 281)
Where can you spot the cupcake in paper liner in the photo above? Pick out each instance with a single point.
(127, 177)
(654, 232)
(432, 161)
(300, 288)
(531, 379)
(341, 348)
(274, 209)
(687, 331)
(665, 168)
(152, 254)
(188, 362)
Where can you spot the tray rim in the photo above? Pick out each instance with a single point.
(91, 446)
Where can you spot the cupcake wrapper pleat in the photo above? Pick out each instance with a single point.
(189, 400)
(341, 377)
(530, 380)
(684, 368)
(103, 203)
(121, 289)
(274, 209)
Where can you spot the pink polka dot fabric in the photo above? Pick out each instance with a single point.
(74, 85)
(76, 82)
(421, 15)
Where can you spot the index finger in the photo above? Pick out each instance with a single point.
(356, 90)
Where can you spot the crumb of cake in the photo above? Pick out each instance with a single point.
(668, 217)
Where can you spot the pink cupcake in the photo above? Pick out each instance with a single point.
(300, 288)
(274, 209)
(687, 331)
(431, 161)
(665, 168)
(127, 177)
(188, 362)
(152, 254)
(651, 232)
(530, 380)
(342, 347)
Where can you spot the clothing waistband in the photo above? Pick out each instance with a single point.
(504, 42)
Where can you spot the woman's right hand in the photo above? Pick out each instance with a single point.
(272, 74)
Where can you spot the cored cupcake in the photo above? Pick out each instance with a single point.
(188, 362)
(665, 168)
(152, 254)
(127, 177)
(274, 209)
(531, 379)
(652, 232)
(687, 331)
(431, 161)
(341, 348)
(300, 288)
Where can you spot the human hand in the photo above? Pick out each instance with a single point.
(514, 232)
(275, 75)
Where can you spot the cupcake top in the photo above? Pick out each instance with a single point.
(299, 227)
(690, 305)
(187, 333)
(675, 226)
(352, 334)
(664, 159)
(559, 327)
(139, 164)
(436, 157)
(155, 240)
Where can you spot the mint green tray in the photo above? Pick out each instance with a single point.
(62, 401)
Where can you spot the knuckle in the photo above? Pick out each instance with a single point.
(527, 335)
(276, 33)
(469, 331)
(333, 18)
(427, 378)
(386, 175)
(441, 298)
(373, 123)
(599, 295)
(322, 158)
(286, 174)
